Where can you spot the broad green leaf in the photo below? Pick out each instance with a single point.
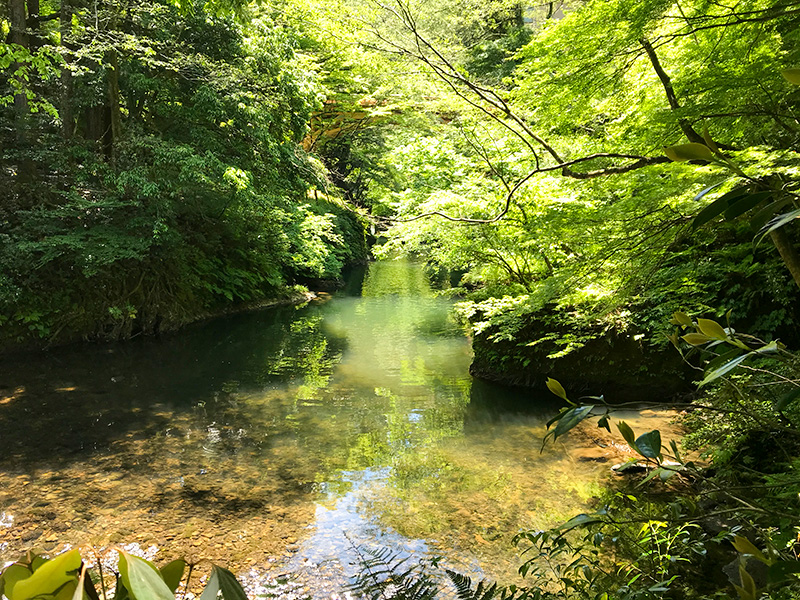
(571, 418)
(776, 223)
(142, 579)
(696, 339)
(782, 569)
(11, 575)
(791, 75)
(229, 586)
(649, 444)
(787, 399)
(555, 386)
(49, 578)
(745, 203)
(745, 546)
(691, 151)
(724, 369)
(712, 329)
(627, 433)
(211, 591)
(681, 318)
(172, 573)
(718, 206)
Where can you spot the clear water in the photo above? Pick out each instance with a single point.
(282, 441)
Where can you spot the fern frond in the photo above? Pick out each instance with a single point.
(463, 585)
(385, 575)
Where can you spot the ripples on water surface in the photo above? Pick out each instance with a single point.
(259, 440)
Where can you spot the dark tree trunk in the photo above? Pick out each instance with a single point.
(67, 115)
(18, 34)
(115, 114)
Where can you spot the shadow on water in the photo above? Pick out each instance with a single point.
(65, 405)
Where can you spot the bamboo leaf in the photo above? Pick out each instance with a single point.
(571, 418)
(691, 151)
(776, 223)
(745, 546)
(724, 369)
(718, 206)
(745, 203)
(555, 386)
(710, 142)
(791, 75)
(229, 586)
(711, 329)
(696, 339)
(705, 191)
(681, 318)
(50, 577)
(787, 399)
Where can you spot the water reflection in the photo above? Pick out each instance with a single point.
(260, 439)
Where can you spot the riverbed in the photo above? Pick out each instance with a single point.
(284, 443)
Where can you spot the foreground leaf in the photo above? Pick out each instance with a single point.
(49, 578)
(142, 579)
(649, 444)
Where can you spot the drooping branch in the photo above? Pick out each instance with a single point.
(672, 99)
(494, 105)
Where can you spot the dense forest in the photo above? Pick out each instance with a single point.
(608, 188)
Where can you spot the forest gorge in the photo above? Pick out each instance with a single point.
(608, 188)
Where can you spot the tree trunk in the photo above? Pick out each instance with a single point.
(18, 34)
(32, 23)
(788, 252)
(67, 115)
(112, 74)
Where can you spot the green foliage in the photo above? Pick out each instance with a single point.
(67, 576)
(200, 200)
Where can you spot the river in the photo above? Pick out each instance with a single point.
(282, 443)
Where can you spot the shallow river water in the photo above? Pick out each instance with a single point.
(284, 442)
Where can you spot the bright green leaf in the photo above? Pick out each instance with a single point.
(691, 151)
(142, 579)
(711, 329)
(555, 386)
(791, 75)
(48, 578)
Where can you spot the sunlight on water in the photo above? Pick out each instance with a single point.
(282, 441)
